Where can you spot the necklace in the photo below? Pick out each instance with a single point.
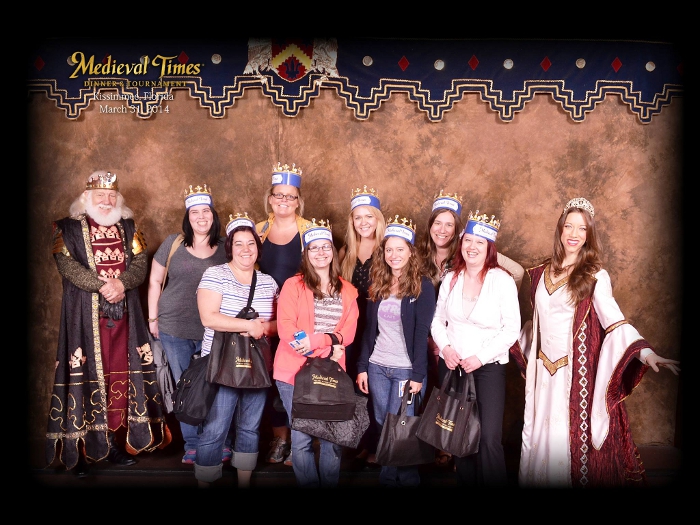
(470, 299)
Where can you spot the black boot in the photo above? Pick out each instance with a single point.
(82, 468)
(116, 455)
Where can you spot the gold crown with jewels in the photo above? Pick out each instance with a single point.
(492, 221)
(581, 203)
(103, 180)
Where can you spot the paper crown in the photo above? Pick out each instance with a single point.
(103, 180)
(239, 219)
(198, 195)
(312, 231)
(581, 203)
(448, 201)
(364, 197)
(483, 226)
(286, 175)
(403, 228)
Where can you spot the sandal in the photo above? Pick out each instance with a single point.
(442, 458)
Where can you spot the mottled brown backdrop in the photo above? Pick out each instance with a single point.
(522, 171)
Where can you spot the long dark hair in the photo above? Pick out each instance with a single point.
(311, 278)
(459, 264)
(427, 250)
(581, 280)
(214, 231)
(382, 277)
(229, 241)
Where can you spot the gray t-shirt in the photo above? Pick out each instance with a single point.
(390, 345)
(178, 314)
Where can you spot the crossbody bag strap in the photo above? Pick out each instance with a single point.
(245, 310)
(176, 244)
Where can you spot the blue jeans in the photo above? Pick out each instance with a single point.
(303, 458)
(383, 383)
(247, 404)
(179, 351)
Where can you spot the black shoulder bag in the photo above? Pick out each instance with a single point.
(238, 360)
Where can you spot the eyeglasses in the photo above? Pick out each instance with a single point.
(325, 248)
(281, 196)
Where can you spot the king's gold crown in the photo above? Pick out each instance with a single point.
(282, 168)
(449, 196)
(485, 219)
(196, 190)
(408, 223)
(102, 181)
(363, 191)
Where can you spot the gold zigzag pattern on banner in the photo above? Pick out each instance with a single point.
(362, 107)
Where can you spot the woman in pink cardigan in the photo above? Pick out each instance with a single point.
(324, 305)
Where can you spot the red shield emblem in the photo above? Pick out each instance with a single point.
(291, 58)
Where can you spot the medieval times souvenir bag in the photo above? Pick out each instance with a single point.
(323, 390)
(238, 360)
(450, 421)
(344, 433)
(194, 395)
(398, 444)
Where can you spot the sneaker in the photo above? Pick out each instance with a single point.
(189, 457)
(288, 459)
(278, 450)
(226, 455)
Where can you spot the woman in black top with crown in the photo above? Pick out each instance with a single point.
(364, 233)
(281, 258)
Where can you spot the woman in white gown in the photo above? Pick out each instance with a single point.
(576, 432)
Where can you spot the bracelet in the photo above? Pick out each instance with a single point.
(150, 320)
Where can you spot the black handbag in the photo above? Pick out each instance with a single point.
(344, 433)
(450, 421)
(194, 395)
(398, 444)
(238, 360)
(323, 390)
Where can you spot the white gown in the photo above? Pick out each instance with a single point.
(546, 448)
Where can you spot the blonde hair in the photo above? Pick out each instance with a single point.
(352, 241)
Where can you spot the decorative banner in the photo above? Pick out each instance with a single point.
(139, 77)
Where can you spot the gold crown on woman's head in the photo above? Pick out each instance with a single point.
(448, 201)
(103, 180)
(492, 221)
(403, 228)
(364, 197)
(239, 219)
(581, 203)
(313, 231)
(198, 195)
(283, 174)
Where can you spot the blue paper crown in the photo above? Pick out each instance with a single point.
(483, 226)
(448, 201)
(403, 228)
(198, 195)
(286, 175)
(364, 197)
(239, 219)
(311, 231)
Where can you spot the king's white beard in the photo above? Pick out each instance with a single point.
(96, 213)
